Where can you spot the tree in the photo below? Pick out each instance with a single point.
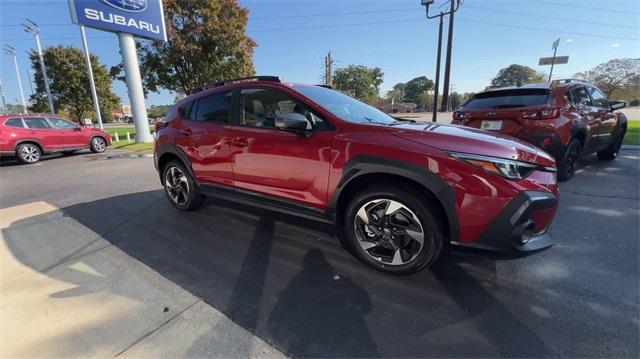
(516, 75)
(207, 43)
(415, 87)
(158, 111)
(69, 83)
(616, 74)
(458, 99)
(14, 108)
(359, 82)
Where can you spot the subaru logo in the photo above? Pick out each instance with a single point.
(127, 5)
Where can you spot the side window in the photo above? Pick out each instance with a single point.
(598, 98)
(187, 111)
(14, 122)
(214, 108)
(581, 97)
(62, 124)
(259, 108)
(36, 122)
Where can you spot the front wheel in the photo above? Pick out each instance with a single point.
(181, 188)
(98, 145)
(28, 153)
(569, 164)
(393, 230)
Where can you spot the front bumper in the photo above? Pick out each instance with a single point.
(515, 230)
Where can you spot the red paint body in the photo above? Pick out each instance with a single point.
(307, 170)
(49, 139)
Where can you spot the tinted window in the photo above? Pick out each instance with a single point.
(509, 99)
(598, 99)
(214, 108)
(62, 124)
(259, 108)
(581, 97)
(36, 122)
(187, 111)
(13, 122)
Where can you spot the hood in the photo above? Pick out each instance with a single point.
(468, 140)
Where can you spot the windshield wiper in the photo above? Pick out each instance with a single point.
(404, 119)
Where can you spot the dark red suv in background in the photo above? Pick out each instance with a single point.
(28, 137)
(400, 192)
(567, 118)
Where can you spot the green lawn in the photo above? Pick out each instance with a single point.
(122, 136)
(122, 132)
(633, 133)
(132, 146)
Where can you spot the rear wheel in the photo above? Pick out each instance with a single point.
(569, 164)
(181, 188)
(611, 152)
(98, 145)
(393, 230)
(28, 153)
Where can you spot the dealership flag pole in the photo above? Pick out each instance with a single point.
(134, 84)
(94, 94)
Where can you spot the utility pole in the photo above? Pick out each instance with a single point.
(30, 82)
(328, 71)
(34, 29)
(11, 51)
(453, 9)
(447, 64)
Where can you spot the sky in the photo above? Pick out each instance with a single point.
(293, 38)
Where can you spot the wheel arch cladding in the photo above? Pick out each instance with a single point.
(364, 170)
(579, 131)
(168, 152)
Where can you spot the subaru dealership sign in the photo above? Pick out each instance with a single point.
(142, 18)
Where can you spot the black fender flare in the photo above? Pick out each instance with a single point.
(169, 148)
(365, 165)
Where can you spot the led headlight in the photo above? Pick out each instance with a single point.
(503, 167)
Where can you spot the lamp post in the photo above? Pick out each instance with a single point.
(453, 9)
(34, 29)
(11, 51)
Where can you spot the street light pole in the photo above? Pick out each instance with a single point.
(4, 103)
(11, 51)
(94, 94)
(34, 29)
(453, 9)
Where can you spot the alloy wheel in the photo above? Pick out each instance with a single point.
(30, 153)
(176, 185)
(98, 144)
(389, 232)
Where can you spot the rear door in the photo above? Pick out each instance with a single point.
(590, 116)
(72, 135)
(600, 108)
(40, 130)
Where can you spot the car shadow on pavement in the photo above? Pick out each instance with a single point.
(289, 281)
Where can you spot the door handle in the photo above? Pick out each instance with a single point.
(187, 132)
(239, 142)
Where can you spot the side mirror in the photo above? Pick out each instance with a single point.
(291, 121)
(617, 104)
(78, 129)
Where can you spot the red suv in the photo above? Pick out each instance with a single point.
(400, 192)
(567, 118)
(28, 137)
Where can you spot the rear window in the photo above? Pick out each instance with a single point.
(509, 99)
(13, 122)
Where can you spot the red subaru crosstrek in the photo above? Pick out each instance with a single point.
(568, 118)
(28, 137)
(400, 192)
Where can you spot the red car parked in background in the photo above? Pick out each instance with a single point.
(567, 118)
(28, 137)
(400, 192)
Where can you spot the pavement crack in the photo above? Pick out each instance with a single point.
(156, 329)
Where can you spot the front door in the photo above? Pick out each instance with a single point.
(582, 100)
(277, 163)
(72, 135)
(602, 110)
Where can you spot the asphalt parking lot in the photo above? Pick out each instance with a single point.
(289, 281)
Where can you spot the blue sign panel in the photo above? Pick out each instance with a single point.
(142, 18)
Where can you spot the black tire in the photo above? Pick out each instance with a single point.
(381, 257)
(611, 152)
(569, 164)
(98, 145)
(28, 153)
(180, 187)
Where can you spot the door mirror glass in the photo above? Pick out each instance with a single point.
(292, 121)
(617, 104)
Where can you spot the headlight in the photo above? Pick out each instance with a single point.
(506, 168)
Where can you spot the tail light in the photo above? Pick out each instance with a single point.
(461, 115)
(541, 114)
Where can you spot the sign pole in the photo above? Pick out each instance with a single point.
(553, 62)
(94, 94)
(134, 85)
(434, 116)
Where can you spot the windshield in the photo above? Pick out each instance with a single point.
(509, 99)
(345, 107)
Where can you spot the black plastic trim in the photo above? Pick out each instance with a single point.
(165, 148)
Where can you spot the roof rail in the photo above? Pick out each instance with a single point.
(568, 81)
(325, 86)
(238, 80)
